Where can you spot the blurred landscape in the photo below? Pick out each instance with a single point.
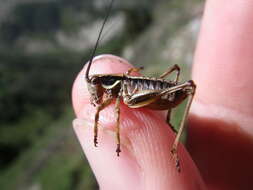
(43, 46)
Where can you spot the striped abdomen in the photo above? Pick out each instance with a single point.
(150, 84)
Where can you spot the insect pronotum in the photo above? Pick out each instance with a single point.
(137, 92)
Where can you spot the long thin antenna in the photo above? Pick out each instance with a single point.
(97, 42)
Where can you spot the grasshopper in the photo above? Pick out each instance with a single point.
(138, 92)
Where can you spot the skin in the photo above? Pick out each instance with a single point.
(219, 149)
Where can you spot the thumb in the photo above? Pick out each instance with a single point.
(146, 140)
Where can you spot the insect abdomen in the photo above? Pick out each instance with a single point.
(147, 84)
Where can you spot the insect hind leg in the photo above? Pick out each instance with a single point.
(190, 89)
(170, 70)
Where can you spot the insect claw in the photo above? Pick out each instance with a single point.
(175, 157)
(178, 165)
(95, 141)
(118, 149)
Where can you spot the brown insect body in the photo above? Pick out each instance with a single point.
(136, 92)
(145, 92)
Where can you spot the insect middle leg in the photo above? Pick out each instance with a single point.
(170, 70)
(99, 108)
(134, 69)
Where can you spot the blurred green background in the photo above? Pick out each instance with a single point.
(43, 45)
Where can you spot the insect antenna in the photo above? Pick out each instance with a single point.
(97, 42)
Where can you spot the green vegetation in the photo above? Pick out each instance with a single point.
(51, 158)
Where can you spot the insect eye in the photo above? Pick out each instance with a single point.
(109, 81)
(94, 80)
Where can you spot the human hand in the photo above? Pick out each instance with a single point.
(220, 137)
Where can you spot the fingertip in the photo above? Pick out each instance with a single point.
(145, 161)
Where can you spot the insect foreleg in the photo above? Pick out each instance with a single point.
(99, 108)
(117, 111)
(170, 70)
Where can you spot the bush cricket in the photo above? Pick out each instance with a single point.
(138, 92)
